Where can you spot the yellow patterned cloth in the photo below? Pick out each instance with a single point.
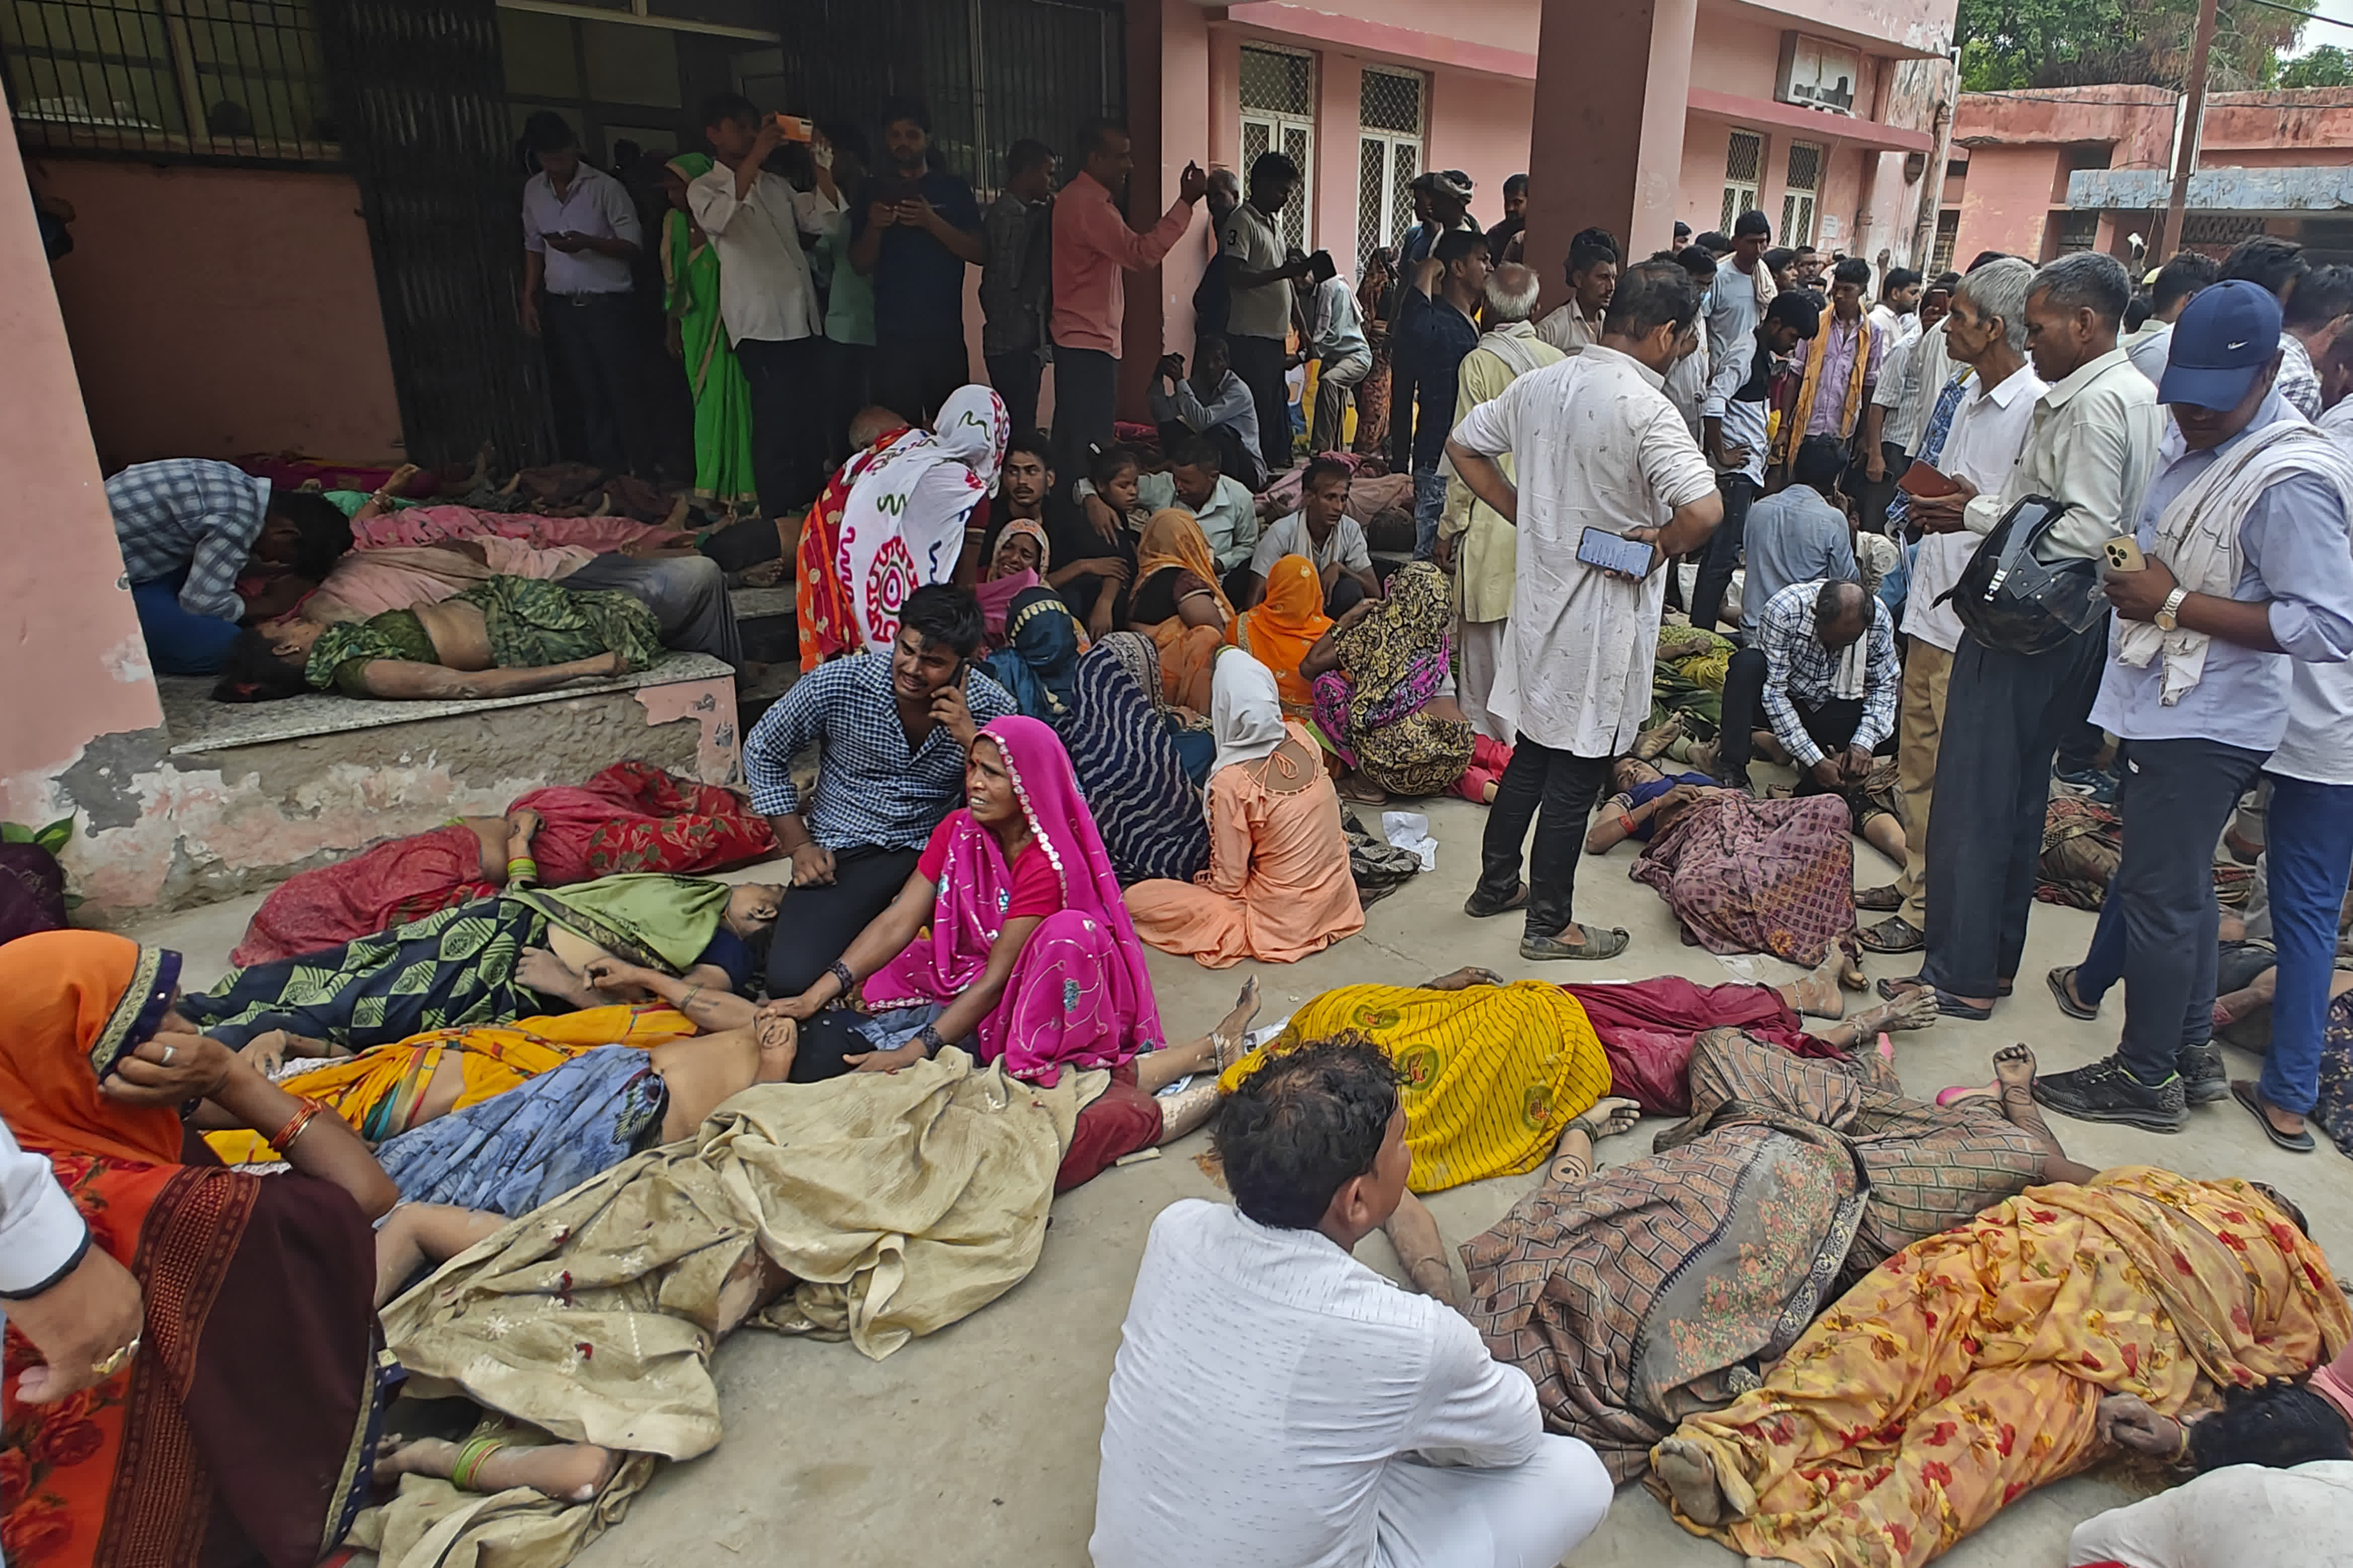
(1966, 1371)
(1491, 1074)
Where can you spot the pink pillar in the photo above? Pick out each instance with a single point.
(1168, 122)
(1609, 134)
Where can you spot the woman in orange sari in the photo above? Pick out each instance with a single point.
(238, 1429)
(1282, 627)
(1969, 1369)
(1179, 604)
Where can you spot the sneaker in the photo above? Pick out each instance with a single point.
(2096, 784)
(2107, 1091)
(2204, 1080)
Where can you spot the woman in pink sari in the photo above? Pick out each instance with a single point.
(1011, 940)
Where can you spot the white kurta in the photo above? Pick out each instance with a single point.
(1597, 445)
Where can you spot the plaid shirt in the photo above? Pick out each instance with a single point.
(1796, 666)
(871, 790)
(192, 514)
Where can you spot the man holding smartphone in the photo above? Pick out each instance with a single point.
(580, 232)
(1578, 689)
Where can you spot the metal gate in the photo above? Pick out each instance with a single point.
(422, 109)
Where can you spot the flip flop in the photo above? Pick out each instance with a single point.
(1895, 990)
(1961, 1091)
(2246, 1094)
(2058, 980)
(1952, 1006)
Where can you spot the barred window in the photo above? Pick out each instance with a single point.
(1278, 107)
(1389, 117)
(1277, 81)
(227, 79)
(1804, 184)
(1744, 157)
(1949, 232)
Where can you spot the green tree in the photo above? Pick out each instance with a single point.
(2007, 45)
(2327, 66)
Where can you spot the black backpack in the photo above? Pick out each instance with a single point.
(2011, 602)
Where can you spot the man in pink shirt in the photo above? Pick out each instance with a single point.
(1093, 246)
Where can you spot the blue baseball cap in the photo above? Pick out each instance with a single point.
(2220, 345)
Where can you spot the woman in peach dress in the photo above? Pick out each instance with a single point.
(1278, 886)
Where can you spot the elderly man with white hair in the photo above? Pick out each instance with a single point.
(1474, 540)
(1977, 426)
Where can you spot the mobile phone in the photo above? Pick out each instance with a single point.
(1321, 267)
(2124, 555)
(1615, 552)
(796, 127)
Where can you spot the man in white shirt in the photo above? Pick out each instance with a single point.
(1257, 317)
(580, 232)
(65, 1292)
(1898, 314)
(1322, 532)
(1276, 1402)
(1597, 447)
(2093, 443)
(1593, 261)
(767, 299)
(1985, 428)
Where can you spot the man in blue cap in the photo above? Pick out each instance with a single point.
(2248, 568)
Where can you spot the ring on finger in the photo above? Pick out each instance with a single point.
(169, 1052)
(109, 1365)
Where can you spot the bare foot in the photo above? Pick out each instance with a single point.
(1608, 1118)
(1235, 1023)
(2013, 1069)
(1462, 979)
(1818, 994)
(540, 970)
(568, 1472)
(1652, 744)
(1851, 975)
(1689, 1477)
(1912, 1010)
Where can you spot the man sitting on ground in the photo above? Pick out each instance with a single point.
(189, 528)
(1322, 531)
(1024, 493)
(1196, 481)
(1212, 404)
(1341, 1419)
(1826, 675)
(894, 732)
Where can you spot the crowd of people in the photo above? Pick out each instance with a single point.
(1073, 694)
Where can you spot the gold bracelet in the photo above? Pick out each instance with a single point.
(687, 1001)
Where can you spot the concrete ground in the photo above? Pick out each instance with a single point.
(977, 1445)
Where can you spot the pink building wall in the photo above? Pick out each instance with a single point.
(261, 333)
(2006, 201)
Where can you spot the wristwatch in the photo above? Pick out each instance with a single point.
(2168, 614)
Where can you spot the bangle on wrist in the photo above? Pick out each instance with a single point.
(928, 1038)
(842, 977)
(687, 1001)
(523, 869)
(295, 1125)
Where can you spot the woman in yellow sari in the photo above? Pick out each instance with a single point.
(1969, 1369)
(1489, 1074)
(1178, 603)
(386, 1090)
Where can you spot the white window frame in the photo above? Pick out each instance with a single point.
(1279, 126)
(1801, 206)
(1743, 196)
(1393, 205)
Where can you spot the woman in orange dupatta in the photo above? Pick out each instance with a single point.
(1284, 626)
(241, 1429)
(1969, 1369)
(1180, 605)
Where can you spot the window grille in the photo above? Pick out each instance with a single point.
(1278, 101)
(1803, 186)
(1744, 157)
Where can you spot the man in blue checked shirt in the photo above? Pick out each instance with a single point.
(1825, 674)
(895, 730)
(189, 528)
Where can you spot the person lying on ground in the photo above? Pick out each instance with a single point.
(2272, 1480)
(522, 952)
(506, 637)
(243, 1276)
(1338, 1418)
(895, 730)
(1641, 1294)
(1278, 888)
(1643, 790)
(1756, 876)
(1384, 690)
(631, 816)
(2014, 1328)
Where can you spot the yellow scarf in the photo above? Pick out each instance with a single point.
(1793, 428)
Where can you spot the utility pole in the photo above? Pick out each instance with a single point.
(2193, 127)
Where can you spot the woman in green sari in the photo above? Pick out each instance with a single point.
(723, 400)
(692, 942)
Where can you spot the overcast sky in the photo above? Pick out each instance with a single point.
(2322, 33)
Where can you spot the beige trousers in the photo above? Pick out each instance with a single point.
(1918, 728)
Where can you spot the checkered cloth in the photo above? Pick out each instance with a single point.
(190, 513)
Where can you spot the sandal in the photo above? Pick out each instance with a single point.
(1893, 934)
(2061, 983)
(1950, 1005)
(1880, 900)
(1538, 948)
(2248, 1095)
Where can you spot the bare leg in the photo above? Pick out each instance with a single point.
(1884, 833)
(568, 1472)
(1156, 1071)
(1413, 1234)
(2239, 1004)
(1818, 994)
(1913, 1010)
(1572, 1157)
(2013, 1071)
(415, 1234)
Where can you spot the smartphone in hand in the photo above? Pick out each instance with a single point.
(1616, 552)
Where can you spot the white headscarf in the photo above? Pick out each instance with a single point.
(1245, 709)
(902, 527)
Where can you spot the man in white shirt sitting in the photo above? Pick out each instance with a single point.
(1275, 1402)
(1322, 532)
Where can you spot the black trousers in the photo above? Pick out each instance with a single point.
(1556, 791)
(788, 389)
(1259, 362)
(816, 925)
(1086, 393)
(2080, 739)
(913, 378)
(1016, 377)
(1831, 725)
(2003, 716)
(1401, 406)
(1722, 552)
(595, 359)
